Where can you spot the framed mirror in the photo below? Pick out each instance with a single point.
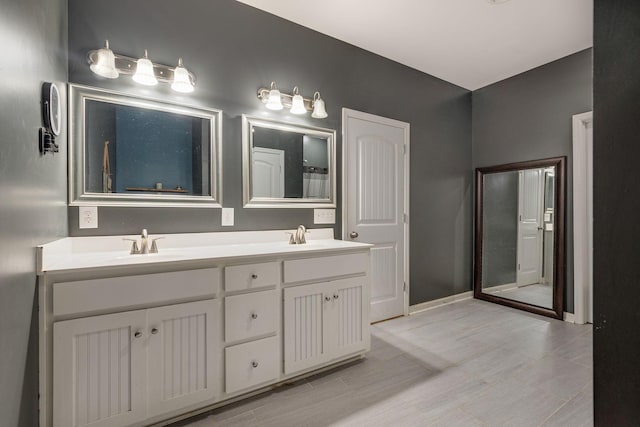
(287, 165)
(132, 151)
(519, 235)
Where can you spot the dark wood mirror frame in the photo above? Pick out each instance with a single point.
(559, 163)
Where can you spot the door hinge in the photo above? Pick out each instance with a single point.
(405, 217)
(518, 266)
(404, 148)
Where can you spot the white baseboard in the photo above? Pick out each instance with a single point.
(423, 306)
(569, 317)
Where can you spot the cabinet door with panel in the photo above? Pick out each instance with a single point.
(349, 319)
(324, 321)
(304, 326)
(183, 357)
(99, 370)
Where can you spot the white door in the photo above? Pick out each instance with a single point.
(375, 201)
(100, 370)
(268, 172)
(530, 226)
(182, 355)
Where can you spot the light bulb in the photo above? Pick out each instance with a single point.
(144, 72)
(104, 63)
(297, 103)
(319, 111)
(274, 102)
(181, 80)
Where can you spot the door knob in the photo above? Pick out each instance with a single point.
(254, 363)
(254, 316)
(353, 234)
(137, 334)
(154, 331)
(327, 298)
(254, 276)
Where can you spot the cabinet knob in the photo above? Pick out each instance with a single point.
(254, 363)
(137, 334)
(254, 316)
(327, 298)
(336, 296)
(154, 331)
(354, 234)
(254, 276)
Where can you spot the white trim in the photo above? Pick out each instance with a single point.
(346, 113)
(582, 216)
(569, 317)
(424, 306)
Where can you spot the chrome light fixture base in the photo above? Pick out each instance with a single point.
(127, 65)
(287, 101)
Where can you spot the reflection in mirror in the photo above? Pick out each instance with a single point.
(287, 165)
(133, 151)
(518, 224)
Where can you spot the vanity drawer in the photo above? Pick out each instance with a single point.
(299, 270)
(251, 364)
(251, 276)
(92, 295)
(250, 315)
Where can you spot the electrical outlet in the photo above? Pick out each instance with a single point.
(88, 217)
(324, 216)
(227, 217)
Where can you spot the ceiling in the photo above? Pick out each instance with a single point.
(470, 43)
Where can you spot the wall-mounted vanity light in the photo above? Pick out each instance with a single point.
(274, 99)
(104, 62)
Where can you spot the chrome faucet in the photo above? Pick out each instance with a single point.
(144, 241)
(298, 237)
(144, 244)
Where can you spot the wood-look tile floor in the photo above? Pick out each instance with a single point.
(471, 363)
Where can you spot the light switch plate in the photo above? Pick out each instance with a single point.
(324, 216)
(227, 217)
(88, 217)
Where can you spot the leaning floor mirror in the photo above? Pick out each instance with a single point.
(519, 240)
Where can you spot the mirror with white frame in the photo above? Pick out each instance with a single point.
(287, 165)
(131, 151)
(520, 235)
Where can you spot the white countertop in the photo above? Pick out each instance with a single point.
(73, 253)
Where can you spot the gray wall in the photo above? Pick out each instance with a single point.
(33, 210)
(616, 271)
(235, 49)
(528, 117)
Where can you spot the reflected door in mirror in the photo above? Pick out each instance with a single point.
(268, 172)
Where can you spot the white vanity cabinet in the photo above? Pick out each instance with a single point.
(143, 341)
(117, 369)
(252, 325)
(327, 320)
(324, 321)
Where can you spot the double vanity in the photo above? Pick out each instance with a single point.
(137, 339)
